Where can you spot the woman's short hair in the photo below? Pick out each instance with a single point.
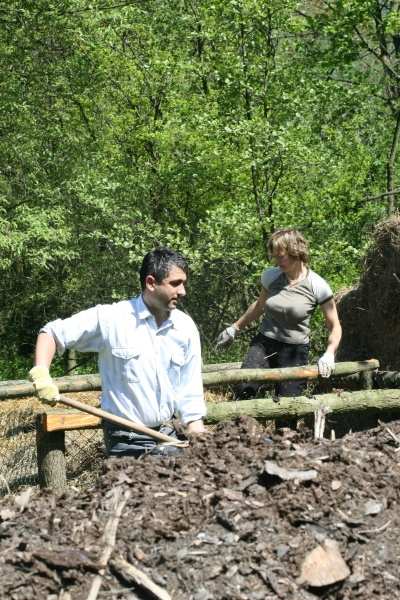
(290, 241)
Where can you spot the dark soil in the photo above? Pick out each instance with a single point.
(212, 524)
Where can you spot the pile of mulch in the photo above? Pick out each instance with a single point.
(234, 517)
(370, 311)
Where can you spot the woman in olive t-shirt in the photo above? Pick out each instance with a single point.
(289, 295)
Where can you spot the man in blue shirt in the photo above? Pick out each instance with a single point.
(149, 356)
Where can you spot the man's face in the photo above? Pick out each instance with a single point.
(164, 296)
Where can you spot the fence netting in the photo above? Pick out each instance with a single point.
(18, 456)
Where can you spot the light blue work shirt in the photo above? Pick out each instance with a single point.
(148, 373)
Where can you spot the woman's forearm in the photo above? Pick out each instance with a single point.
(333, 325)
(253, 313)
(334, 338)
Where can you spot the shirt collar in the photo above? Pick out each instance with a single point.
(141, 308)
(144, 313)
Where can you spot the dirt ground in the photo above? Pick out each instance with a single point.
(213, 524)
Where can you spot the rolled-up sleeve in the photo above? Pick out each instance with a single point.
(190, 402)
(81, 332)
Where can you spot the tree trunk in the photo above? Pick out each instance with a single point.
(390, 167)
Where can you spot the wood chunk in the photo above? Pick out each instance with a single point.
(232, 495)
(373, 508)
(65, 558)
(7, 514)
(323, 566)
(271, 468)
(22, 499)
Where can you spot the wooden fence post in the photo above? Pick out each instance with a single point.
(71, 360)
(50, 456)
(366, 379)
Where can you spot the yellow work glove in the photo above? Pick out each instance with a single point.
(45, 388)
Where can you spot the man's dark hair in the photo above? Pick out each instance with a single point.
(159, 262)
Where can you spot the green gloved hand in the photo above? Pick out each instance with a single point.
(45, 388)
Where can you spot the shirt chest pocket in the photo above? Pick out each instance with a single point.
(174, 371)
(126, 363)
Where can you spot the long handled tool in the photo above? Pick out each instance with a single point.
(127, 423)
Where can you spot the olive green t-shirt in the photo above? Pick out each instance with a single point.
(288, 308)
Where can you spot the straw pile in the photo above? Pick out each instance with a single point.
(370, 311)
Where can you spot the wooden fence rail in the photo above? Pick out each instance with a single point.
(213, 377)
(285, 374)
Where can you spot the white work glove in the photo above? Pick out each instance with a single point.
(45, 388)
(326, 364)
(226, 337)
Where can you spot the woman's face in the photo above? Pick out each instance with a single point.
(284, 261)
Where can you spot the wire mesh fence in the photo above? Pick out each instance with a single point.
(18, 456)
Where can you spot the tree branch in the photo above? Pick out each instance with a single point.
(379, 196)
(378, 56)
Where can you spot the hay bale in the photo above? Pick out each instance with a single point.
(354, 345)
(370, 311)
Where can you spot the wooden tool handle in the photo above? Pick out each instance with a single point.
(138, 427)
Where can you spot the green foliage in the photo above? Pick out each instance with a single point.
(14, 366)
(204, 126)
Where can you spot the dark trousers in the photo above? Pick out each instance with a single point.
(125, 442)
(267, 353)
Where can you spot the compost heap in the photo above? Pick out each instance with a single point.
(236, 516)
(370, 311)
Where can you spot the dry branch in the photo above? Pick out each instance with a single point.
(390, 432)
(132, 574)
(319, 421)
(109, 537)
